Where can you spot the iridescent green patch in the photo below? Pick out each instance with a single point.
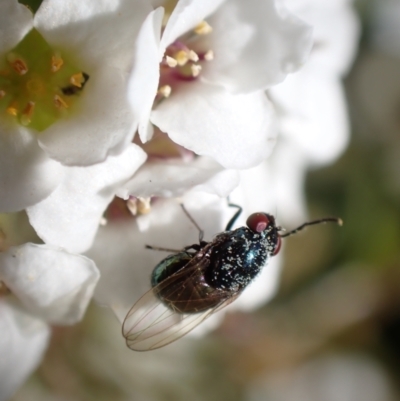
(38, 85)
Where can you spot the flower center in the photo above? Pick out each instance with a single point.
(183, 60)
(37, 84)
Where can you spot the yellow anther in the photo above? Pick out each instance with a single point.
(59, 102)
(17, 63)
(193, 56)
(26, 116)
(181, 57)
(195, 68)
(77, 80)
(138, 205)
(171, 62)
(165, 90)
(2, 93)
(12, 109)
(209, 55)
(56, 62)
(144, 205)
(203, 28)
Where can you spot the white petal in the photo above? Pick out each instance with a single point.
(236, 130)
(174, 178)
(315, 114)
(70, 216)
(50, 283)
(95, 32)
(124, 281)
(101, 124)
(256, 44)
(276, 186)
(27, 175)
(143, 82)
(185, 16)
(23, 341)
(15, 22)
(336, 30)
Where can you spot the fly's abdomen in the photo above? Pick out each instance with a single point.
(182, 288)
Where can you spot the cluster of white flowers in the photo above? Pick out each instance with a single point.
(112, 109)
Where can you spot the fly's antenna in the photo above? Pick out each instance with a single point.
(336, 220)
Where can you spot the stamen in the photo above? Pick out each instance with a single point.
(171, 62)
(12, 109)
(59, 102)
(181, 57)
(138, 205)
(209, 55)
(193, 56)
(203, 28)
(195, 68)
(56, 62)
(165, 90)
(17, 63)
(27, 114)
(144, 206)
(77, 79)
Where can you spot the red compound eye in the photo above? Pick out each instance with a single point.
(258, 222)
(278, 246)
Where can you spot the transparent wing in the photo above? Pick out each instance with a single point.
(150, 324)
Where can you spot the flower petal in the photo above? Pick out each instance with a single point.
(143, 82)
(256, 44)
(27, 175)
(275, 186)
(314, 114)
(23, 341)
(174, 178)
(336, 30)
(70, 216)
(52, 284)
(95, 32)
(185, 16)
(236, 130)
(101, 125)
(15, 22)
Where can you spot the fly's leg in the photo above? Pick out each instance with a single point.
(234, 217)
(158, 248)
(201, 232)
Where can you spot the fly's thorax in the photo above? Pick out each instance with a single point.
(238, 256)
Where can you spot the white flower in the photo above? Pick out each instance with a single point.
(86, 120)
(70, 216)
(174, 177)
(214, 104)
(275, 186)
(40, 285)
(313, 109)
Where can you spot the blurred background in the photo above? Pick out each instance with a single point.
(333, 331)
